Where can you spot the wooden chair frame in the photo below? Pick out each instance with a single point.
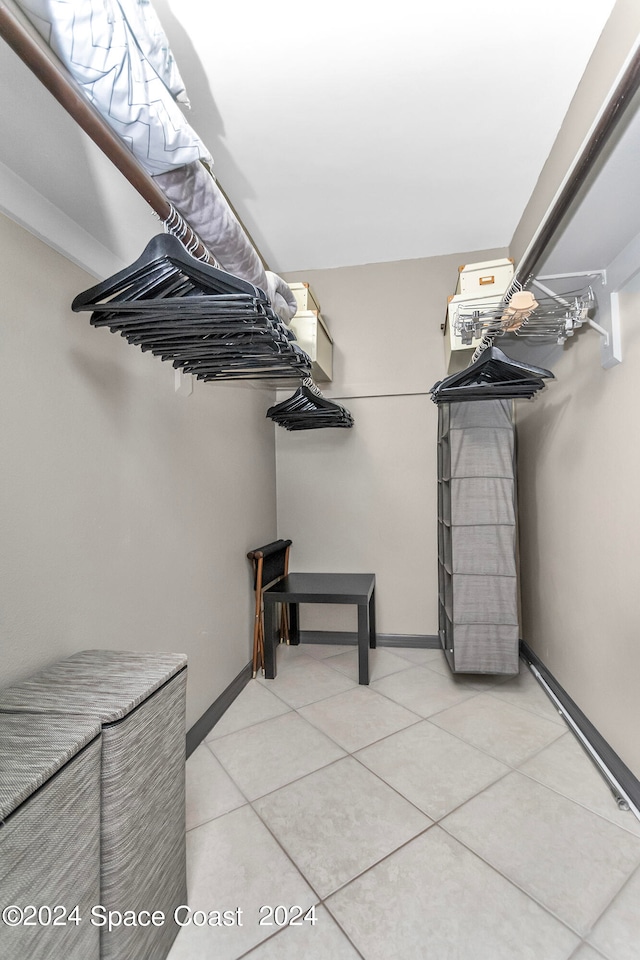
(257, 558)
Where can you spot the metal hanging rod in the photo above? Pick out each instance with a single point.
(610, 115)
(57, 79)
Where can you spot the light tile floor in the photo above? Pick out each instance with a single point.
(425, 817)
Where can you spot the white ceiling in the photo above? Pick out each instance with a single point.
(348, 132)
(345, 132)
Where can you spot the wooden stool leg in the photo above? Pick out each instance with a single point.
(256, 643)
(261, 639)
(258, 647)
(285, 606)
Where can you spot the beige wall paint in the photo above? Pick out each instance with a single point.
(615, 43)
(365, 499)
(579, 476)
(126, 510)
(579, 470)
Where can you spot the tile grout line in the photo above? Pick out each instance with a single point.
(249, 726)
(513, 883)
(419, 719)
(388, 785)
(319, 700)
(377, 863)
(482, 749)
(289, 782)
(579, 803)
(625, 883)
(530, 710)
(583, 943)
(297, 780)
(321, 900)
(250, 805)
(351, 753)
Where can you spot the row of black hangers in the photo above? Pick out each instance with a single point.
(307, 409)
(492, 376)
(205, 321)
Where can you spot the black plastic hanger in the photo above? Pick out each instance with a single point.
(199, 317)
(163, 259)
(307, 409)
(493, 375)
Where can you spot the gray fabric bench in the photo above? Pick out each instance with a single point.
(138, 699)
(49, 836)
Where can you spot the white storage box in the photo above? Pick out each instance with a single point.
(314, 338)
(304, 296)
(484, 279)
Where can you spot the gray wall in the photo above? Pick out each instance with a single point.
(365, 499)
(579, 473)
(125, 510)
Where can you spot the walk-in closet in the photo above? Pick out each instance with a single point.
(318, 505)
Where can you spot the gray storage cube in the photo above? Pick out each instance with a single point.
(139, 700)
(495, 414)
(487, 648)
(483, 599)
(487, 549)
(478, 609)
(481, 500)
(481, 451)
(49, 836)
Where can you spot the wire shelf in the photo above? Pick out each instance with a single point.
(543, 318)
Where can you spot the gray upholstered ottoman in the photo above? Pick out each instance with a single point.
(139, 699)
(49, 837)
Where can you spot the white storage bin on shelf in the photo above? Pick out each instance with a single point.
(311, 332)
(485, 278)
(480, 285)
(304, 296)
(314, 338)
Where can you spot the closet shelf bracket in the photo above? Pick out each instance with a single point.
(608, 312)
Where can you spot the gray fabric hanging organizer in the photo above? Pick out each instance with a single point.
(49, 836)
(138, 699)
(477, 573)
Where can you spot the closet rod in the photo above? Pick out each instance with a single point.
(602, 129)
(56, 78)
(605, 125)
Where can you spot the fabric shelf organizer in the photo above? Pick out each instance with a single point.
(138, 700)
(50, 834)
(477, 571)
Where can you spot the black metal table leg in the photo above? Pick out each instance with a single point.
(294, 628)
(372, 619)
(363, 643)
(270, 668)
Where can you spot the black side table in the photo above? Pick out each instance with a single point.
(358, 588)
